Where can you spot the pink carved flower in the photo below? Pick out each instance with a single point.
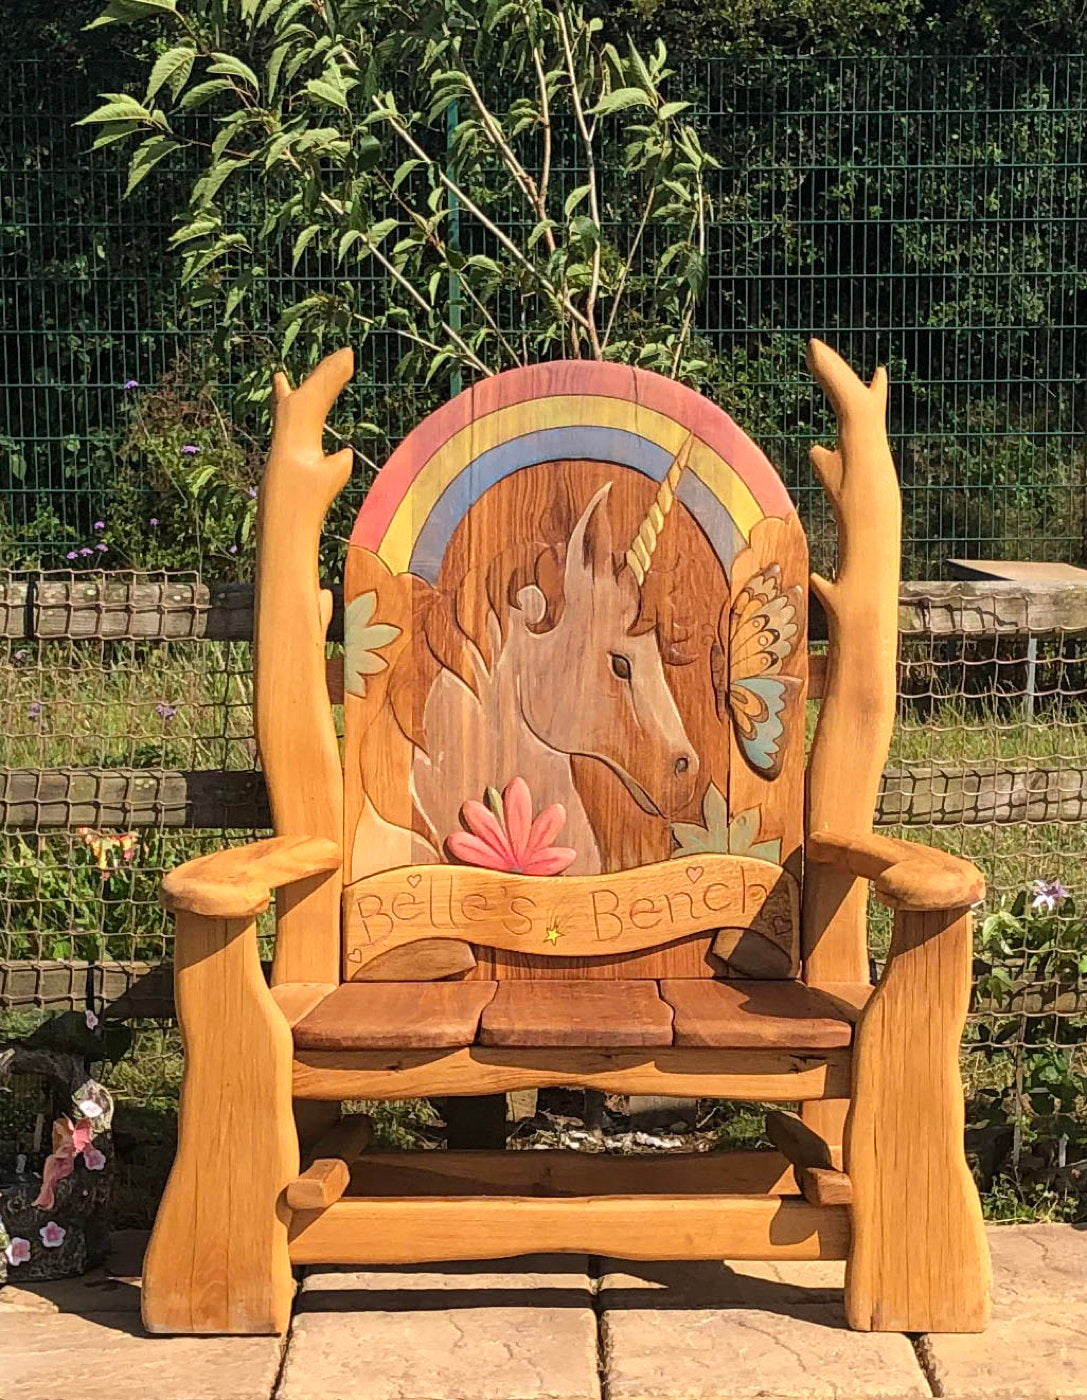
(69, 1139)
(504, 836)
(52, 1234)
(18, 1250)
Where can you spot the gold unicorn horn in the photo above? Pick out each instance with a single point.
(640, 553)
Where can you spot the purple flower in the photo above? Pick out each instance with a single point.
(154, 520)
(99, 524)
(1049, 895)
(20, 656)
(91, 1019)
(101, 546)
(252, 493)
(233, 549)
(165, 711)
(72, 554)
(86, 550)
(18, 1250)
(93, 1159)
(52, 1234)
(131, 384)
(190, 449)
(34, 710)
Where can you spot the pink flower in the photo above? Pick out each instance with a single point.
(18, 1250)
(505, 837)
(91, 1019)
(93, 1160)
(52, 1234)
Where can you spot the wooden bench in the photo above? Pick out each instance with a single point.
(573, 838)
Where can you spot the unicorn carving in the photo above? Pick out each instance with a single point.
(567, 674)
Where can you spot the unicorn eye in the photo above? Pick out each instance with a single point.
(620, 666)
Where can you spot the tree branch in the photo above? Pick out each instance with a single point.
(594, 197)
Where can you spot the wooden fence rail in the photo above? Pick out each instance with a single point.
(115, 609)
(916, 794)
(966, 793)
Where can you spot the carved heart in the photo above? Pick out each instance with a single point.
(354, 955)
(694, 873)
(413, 880)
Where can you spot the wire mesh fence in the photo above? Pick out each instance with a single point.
(929, 213)
(926, 212)
(121, 756)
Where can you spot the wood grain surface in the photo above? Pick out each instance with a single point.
(920, 1259)
(580, 916)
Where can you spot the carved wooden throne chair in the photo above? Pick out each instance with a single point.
(573, 839)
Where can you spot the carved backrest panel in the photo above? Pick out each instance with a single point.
(575, 646)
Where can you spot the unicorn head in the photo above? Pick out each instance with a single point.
(590, 684)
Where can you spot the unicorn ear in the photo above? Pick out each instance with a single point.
(590, 552)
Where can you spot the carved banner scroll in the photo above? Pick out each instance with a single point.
(578, 916)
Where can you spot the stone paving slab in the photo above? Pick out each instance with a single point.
(1036, 1345)
(49, 1356)
(1038, 1263)
(735, 1332)
(527, 1330)
(507, 1330)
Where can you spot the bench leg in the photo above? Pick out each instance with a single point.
(919, 1259)
(218, 1258)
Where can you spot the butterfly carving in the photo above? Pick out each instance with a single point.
(764, 627)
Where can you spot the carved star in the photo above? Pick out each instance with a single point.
(552, 935)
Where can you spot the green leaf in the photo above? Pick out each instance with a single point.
(119, 107)
(275, 63)
(276, 147)
(205, 189)
(146, 157)
(585, 231)
(368, 151)
(172, 68)
(538, 232)
(226, 63)
(480, 260)
(574, 198)
(672, 109)
(347, 241)
(116, 131)
(240, 289)
(197, 96)
(404, 170)
(620, 100)
(199, 227)
(129, 11)
(327, 92)
(381, 231)
(302, 242)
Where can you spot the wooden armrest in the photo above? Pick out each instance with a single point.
(237, 883)
(904, 874)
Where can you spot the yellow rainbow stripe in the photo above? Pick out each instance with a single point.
(558, 411)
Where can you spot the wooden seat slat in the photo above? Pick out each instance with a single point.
(395, 1016)
(747, 1014)
(544, 1013)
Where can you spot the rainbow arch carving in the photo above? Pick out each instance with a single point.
(584, 409)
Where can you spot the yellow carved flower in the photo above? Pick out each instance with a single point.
(363, 639)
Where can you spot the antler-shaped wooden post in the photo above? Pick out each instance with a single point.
(295, 733)
(861, 605)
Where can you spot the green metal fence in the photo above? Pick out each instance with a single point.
(927, 212)
(930, 213)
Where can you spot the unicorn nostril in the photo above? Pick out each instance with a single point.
(682, 765)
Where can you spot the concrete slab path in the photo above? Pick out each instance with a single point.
(567, 1328)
